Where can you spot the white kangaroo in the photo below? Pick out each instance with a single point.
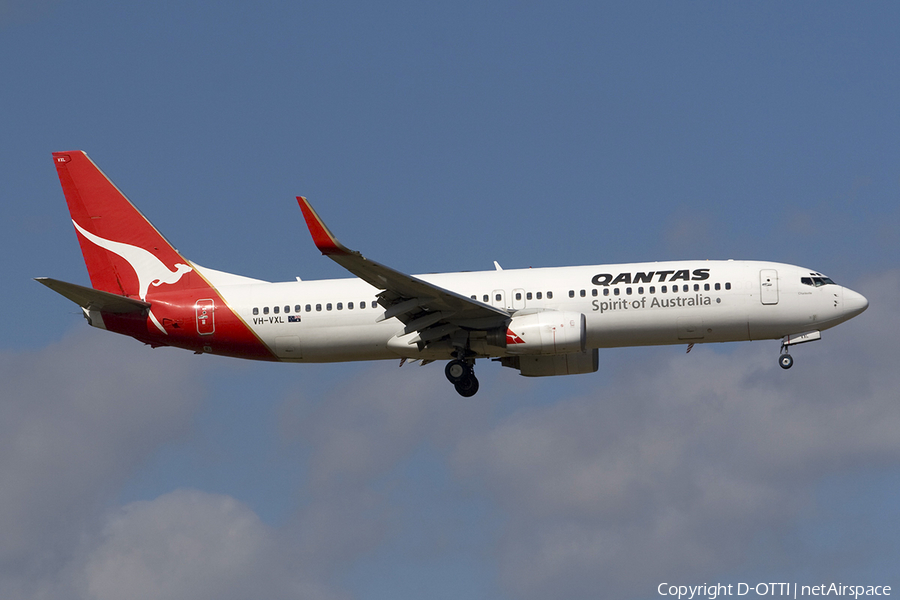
(149, 269)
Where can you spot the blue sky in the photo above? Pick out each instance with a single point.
(438, 137)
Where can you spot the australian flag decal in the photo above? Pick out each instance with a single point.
(293, 319)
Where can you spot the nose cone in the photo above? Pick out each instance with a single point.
(854, 303)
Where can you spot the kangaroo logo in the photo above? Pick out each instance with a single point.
(513, 338)
(149, 269)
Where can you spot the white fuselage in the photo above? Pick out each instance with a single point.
(678, 302)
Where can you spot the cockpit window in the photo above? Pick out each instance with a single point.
(817, 281)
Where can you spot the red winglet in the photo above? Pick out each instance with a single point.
(324, 239)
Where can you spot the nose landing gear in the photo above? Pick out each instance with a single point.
(786, 360)
(461, 373)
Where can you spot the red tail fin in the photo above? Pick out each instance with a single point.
(123, 252)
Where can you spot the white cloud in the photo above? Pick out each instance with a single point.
(192, 544)
(76, 418)
(184, 544)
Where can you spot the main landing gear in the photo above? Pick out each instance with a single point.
(461, 373)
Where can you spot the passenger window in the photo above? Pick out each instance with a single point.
(340, 306)
(616, 292)
(539, 296)
(287, 309)
(498, 297)
(518, 295)
(718, 286)
(606, 291)
(705, 287)
(362, 304)
(696, 287)
(663, 289)
(628, 291)
(318, 308)
(582, 293)
(474, 297)
(652, 289)
(640, 290)
(328, 306)
(255, 310)
(594, 292)
(727, 286)
(685, 288)
(571, 293)
(349, 306)
(528, 296)
(486, 298)
(297, 308)
(549, 295)
(275, 310)
(308, 307)
(265, 310)
(374, 304)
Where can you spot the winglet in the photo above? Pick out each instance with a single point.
(324, 239)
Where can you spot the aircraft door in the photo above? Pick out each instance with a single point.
(768, 286)
(205, 313)
(498, 299)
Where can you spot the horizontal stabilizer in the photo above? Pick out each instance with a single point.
(92, 299)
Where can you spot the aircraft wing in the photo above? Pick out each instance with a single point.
(421, 306)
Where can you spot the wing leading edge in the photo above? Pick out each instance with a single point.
(430, 310)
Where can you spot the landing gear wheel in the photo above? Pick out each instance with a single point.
(456, 371)
(467, 386)
(786, 361)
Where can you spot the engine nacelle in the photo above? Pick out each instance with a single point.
(546, 332)
(557, 364)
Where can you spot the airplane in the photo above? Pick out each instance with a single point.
(541, 321)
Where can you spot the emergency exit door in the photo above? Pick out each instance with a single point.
(498, 298)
